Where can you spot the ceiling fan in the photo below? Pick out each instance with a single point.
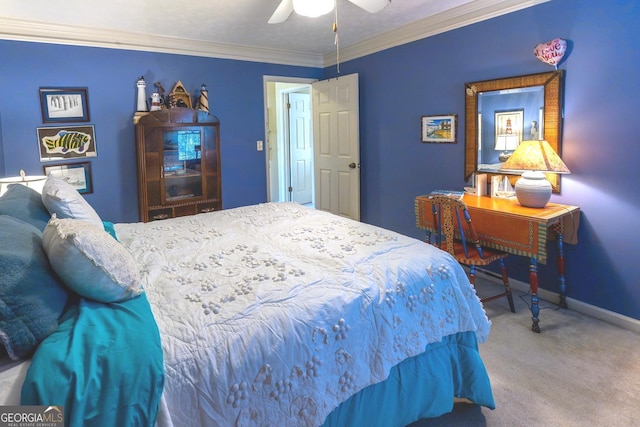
(315, 8)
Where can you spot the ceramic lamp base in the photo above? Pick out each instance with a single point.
(504, 156)
(533, 190)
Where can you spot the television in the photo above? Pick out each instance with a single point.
(189, 145)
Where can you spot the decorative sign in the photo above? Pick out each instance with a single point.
(69, 142)
(551, 52)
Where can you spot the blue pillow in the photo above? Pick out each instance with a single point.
(25, 204)
(32, 297)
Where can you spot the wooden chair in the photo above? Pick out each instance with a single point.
(459, 238)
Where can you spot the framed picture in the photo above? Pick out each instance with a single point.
(509, 124)
(68, 142)
(76, 174)
(64, 104)
(442, 129)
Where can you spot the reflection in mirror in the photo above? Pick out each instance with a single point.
(501, 113)
(506, 118)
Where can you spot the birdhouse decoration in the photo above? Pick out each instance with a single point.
(179, 97)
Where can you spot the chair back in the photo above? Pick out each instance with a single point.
(453, 225)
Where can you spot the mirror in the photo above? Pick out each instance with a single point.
(500, 113)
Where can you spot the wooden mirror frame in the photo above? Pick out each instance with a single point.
(552, 82)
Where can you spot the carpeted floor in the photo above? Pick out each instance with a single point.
(579, 371)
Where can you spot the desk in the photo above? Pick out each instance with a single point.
(505, 225)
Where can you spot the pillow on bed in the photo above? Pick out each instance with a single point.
(31, 296)
(25, 204)
(90, 261)
(62, 199)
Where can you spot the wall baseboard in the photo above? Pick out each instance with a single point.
(608, 316)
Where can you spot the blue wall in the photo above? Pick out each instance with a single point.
(235, 97)
(601, 104)
(397, 86)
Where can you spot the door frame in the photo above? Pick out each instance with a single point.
(269, 143)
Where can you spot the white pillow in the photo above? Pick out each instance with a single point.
(90, 261)
(62, 199)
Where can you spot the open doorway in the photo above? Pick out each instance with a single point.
(289, 140)
(325, 160)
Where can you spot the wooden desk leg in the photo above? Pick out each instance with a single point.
(535, 307)
(563, 286)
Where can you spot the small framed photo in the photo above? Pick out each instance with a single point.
(64, 104)
(440, 129)
(509, 124)
(68, 142)
(76, 174)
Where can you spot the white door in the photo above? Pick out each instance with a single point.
(300, 148)
(336, 142)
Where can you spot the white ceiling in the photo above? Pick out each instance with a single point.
(238, 29)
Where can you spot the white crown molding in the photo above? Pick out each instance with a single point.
(41, 32)
(461, 16)
(469, 13)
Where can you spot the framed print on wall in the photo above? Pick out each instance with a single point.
(440, 129)
(509, 123)
(69, 142)
(64, 104)
(76, 174)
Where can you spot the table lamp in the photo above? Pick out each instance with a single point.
(506, 143)
(534, 159)
(34, 181)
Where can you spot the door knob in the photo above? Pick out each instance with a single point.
(352, 165)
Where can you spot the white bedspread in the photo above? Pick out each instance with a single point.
(274, 314)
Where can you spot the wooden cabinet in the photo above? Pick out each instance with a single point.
(178, 157)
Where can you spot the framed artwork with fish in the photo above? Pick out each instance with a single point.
(76, 174)
(64, 104)
(68, 142)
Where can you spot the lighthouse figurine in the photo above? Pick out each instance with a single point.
(142, 95)
(203, 102)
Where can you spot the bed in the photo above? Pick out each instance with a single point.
(278, 314)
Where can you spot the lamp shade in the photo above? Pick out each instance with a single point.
(534, 159)
(313, 8)
(507, 142)
(535, 156)
(34, 181)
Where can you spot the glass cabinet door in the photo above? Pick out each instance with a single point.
(182, 164)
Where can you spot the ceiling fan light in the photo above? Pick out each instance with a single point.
(371, 6)
(313, 8)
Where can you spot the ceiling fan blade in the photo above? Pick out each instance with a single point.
(371, 6)
(282, 12)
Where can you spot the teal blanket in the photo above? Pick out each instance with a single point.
(104, 364)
